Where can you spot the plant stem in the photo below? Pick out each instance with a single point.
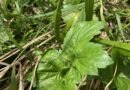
(58, 19)
(89, 4)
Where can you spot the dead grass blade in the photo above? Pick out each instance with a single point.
(15, 51)
(21, 84)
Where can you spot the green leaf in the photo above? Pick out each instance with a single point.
(83, 56)
(72, 78)
(117, 44)
(82, 31)
(48, 70)
(65, 83)
(123, 48)
(72, 1)
(3, 36)
(86, 57)
(49, 84)
(70, 19)
(91, 58)
(123, 82)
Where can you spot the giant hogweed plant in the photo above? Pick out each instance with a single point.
(63, 69)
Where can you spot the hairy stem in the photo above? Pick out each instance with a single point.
(58, 19)
(89, 4)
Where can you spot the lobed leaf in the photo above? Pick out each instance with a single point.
(77, 58)
(86, 56)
